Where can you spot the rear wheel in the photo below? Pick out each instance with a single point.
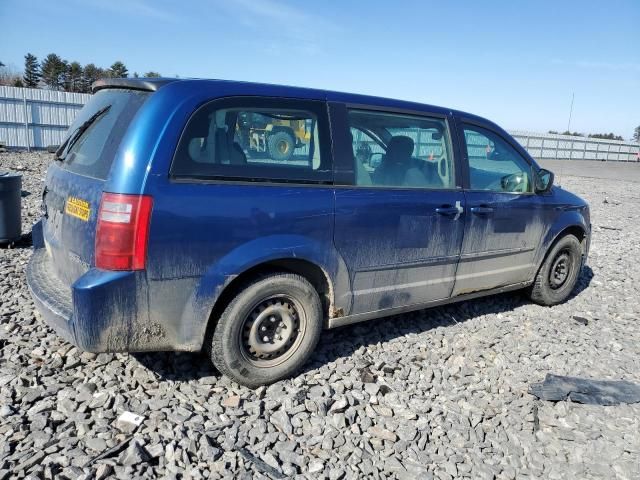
(268, 331)
(559, 273)
(281, 145)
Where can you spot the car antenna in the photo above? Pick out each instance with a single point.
(559, 176)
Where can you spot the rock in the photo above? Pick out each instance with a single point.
(281, 420)
(232, 401)
(156, 450)
(315, 466)
(372, 388)
(270, 460)
(339, 406)
(103, 471)
(98, 400)
(366, 376)
(29, 461)
(96, 444)
(382, 433)
(6, 410)
(134, 454)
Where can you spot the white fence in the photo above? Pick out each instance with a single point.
(566, 147)
(32, 118)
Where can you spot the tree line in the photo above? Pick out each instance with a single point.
(604, 136)
(55, 73)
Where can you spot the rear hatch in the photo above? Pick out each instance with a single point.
(75, 180)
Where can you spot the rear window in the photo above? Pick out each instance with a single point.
(93, 151)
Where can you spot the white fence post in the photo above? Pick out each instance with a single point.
(26, 120)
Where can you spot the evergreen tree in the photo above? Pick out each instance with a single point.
(53, 71)
(31, 71)
(152, 74)
(73, 80)
(118, 70)
(90, 74)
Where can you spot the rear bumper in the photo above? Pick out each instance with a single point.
(101, 312)
(52, 298)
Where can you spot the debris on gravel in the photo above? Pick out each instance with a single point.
(435, 394)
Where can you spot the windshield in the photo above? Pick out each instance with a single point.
(96, 133)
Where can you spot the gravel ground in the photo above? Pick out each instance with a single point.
(440, 393)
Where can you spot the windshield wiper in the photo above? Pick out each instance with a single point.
(77, 134)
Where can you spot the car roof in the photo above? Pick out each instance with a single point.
(154, 84)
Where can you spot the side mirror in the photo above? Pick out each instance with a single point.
(53, 148)
(544, 180)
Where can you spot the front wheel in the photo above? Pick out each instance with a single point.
(268, 331)
(559, 273)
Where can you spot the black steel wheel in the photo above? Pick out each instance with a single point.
(559, 272)
(268, 331)
(272, 332)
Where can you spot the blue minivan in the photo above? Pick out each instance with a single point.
(242, 219)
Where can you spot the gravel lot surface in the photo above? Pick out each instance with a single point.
(440, 393)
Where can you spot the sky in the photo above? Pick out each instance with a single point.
(517, 63)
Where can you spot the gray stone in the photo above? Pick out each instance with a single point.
(281, 420)
(382, 433)
(315, 466)
(103, 471)
(6, 411)
(339, 406)
(134, 454)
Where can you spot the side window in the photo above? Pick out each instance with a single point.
(268, 140)
(406, 151)
(495, 165)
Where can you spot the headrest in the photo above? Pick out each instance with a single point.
(400, 147)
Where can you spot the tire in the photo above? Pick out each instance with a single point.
(553, 283)
(235, 345)
(281, 145)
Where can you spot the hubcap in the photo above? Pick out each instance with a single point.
(560, 270)
(272, 331)
(283, 146)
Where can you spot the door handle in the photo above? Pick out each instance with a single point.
(482, 210)
(451, 210)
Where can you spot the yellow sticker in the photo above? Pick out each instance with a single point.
(78, 208)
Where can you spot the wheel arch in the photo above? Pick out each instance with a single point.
(312, 272)
(576, 229)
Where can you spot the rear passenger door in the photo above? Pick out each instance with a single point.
(504, 216)
(398, 222)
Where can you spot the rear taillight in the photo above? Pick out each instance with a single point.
(122, 230)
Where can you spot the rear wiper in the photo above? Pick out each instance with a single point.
(77, 134)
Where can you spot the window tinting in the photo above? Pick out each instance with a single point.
(252, 143)
(93, 151)
(407, 151)
(495, 165)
